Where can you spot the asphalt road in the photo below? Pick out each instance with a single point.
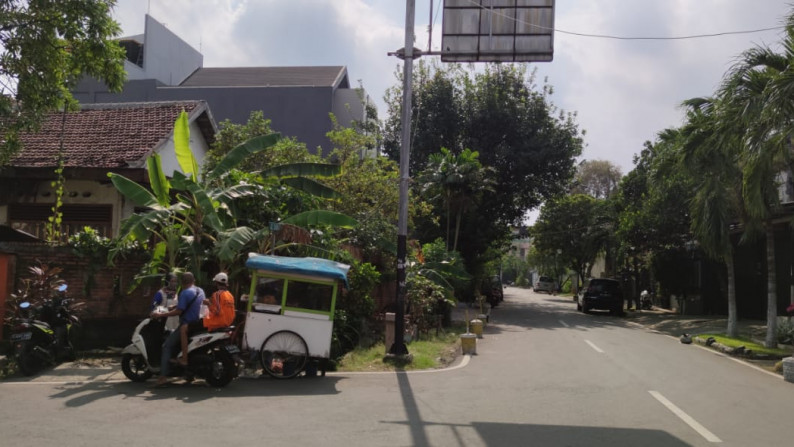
(544, 375)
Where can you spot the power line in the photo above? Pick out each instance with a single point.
(608, 36)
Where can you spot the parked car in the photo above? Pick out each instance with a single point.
(545, 284)
(601, 294)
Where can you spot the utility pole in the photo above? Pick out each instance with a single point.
(398, 347)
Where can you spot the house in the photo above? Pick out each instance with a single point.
(98, 139)
(162, 67)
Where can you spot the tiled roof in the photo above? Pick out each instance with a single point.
(334, 76)
(103, 135)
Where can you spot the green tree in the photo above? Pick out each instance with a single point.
(597, 178)
(230, 135)
(459, 182)
(510, 121)
(571, 231)
(653, 214)
(710, 158)
(45, 46)
(756, 106)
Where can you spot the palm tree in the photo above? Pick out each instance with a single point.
(711, 161)
(460, 180)
(756, 95)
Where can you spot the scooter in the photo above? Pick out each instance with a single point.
(211, 355)
(41, 337)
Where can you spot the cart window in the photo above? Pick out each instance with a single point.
(309, 296)
(269, 291)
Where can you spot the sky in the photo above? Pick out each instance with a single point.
(624, 92)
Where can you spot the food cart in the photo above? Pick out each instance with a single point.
(290, 311)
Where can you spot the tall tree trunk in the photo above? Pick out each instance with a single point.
(457, 230)
(771, 289)
(732, 330)
(448, 219)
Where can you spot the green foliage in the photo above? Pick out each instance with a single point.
(355, 308)
(52, 228)
(571, 231)
(510, 121)
(44, 47)
(426, 301)
(231, 135)
(517, 270)
(88, 244)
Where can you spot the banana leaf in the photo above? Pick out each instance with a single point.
(133, 191)
(141, 226)
(312, 187)
(202, 199)
(157, 179)
(230, 243)
(240, 152)
(184, 155)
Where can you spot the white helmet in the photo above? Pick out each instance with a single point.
(221, 278)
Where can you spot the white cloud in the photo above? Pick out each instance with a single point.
(625, 92)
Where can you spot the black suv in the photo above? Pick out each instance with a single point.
(602, 294)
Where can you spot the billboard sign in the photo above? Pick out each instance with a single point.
(498, 31)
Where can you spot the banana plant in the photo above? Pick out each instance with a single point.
(183, 216)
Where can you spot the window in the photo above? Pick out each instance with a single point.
(309, 296)
(32, 218)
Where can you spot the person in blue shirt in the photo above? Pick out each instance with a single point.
(188, 309)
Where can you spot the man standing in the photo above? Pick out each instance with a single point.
(187, 308)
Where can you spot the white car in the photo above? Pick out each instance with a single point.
(546, 284)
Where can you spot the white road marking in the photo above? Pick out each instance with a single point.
(592, 345)
(702, 431)
(563, 323)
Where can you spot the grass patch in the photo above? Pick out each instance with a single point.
(429, 352)
(747, 343)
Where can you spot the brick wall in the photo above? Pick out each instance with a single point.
(106, 298)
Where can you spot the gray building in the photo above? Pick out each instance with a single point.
(297, 100)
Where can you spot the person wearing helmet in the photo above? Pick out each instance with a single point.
(166, 297)
(221, 313)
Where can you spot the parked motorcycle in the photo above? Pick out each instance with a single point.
(41, 336)
(211, 355)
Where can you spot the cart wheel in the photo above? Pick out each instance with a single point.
(284, 355)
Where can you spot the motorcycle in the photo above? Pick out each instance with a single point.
(211, 355)
(41, 336)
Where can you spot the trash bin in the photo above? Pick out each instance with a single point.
(468, 343)
(476, 327)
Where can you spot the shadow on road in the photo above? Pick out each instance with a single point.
(79, 394)
(501, 434)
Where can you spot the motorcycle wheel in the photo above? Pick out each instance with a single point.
(222, 369)
(135, 367)
(27, 362)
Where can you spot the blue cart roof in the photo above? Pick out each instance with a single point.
(322, 268)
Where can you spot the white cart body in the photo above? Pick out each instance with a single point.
(305, 304)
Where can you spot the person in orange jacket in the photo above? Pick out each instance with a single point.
(221, 313)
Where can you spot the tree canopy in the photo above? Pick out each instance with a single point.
(44, 47)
